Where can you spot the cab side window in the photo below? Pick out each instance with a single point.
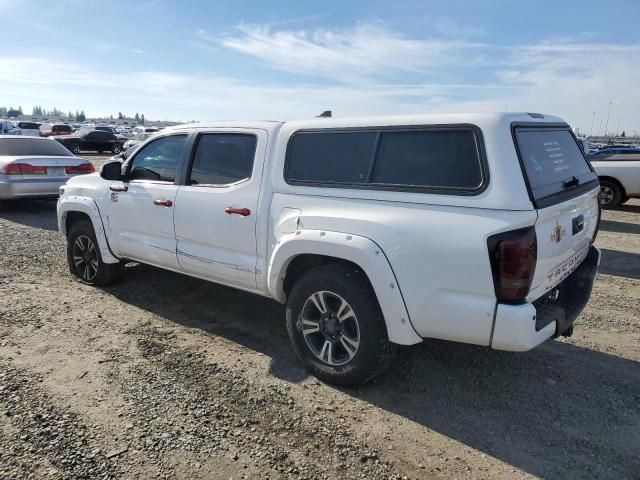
(159, 160)
(223, 159)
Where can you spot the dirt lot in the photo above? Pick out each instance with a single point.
(171, 377)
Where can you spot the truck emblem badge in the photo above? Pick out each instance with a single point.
(557, 233)
(114, 197)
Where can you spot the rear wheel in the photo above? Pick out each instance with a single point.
(84, 259)
(336, 325)
(75, 148)
(116, 148)
(610, 194)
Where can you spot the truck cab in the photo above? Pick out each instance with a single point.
(374, 232)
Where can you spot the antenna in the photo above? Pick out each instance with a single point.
(325, 114)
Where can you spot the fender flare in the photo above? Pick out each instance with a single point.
(86, 205)
(359, 250)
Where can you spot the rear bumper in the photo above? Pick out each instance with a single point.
(32, 188)
(519, 328)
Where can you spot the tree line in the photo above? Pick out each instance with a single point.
(79, 116)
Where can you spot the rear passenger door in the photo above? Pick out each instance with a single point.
(215, 213)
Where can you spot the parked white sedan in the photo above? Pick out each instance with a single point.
(33, 167)
(618, 170)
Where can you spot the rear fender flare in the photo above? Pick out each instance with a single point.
(359, 250)
(86, 205)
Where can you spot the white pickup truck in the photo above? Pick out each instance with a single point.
(475, 228)
(619, 172)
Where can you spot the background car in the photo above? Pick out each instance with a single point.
(7, 128)
(33, 167)
(58, 129)
(618, 170)
(28, 128)
(138, 138)
(91, 140)
(106, 128)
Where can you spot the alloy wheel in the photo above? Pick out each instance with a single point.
(330, 328)
(85, 257)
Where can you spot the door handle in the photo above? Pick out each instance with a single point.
(239, 211)
(118, 188)
(163, 203)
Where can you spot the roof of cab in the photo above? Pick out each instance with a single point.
(260, 124)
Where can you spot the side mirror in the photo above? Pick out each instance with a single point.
(111, 171)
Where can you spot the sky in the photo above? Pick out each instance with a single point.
(215, 60)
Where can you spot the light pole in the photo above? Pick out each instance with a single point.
(600, 129)
(606, 126)
(618, 128)
(593, 117)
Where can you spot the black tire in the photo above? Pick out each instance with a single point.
(117, 148)
(611, 194)
(374, 352)
(75, 148)
(80, 239)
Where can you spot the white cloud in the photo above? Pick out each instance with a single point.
(344, 55)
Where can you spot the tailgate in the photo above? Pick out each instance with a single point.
(564, 190)
(563, 234)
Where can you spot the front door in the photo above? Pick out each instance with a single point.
(215, 213)
(140, 211)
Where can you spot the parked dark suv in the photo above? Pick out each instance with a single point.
(91, 140)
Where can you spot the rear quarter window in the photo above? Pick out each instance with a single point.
(443, 160)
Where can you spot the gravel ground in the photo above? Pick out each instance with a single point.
(171, 377)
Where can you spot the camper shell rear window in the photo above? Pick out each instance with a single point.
(554, 165)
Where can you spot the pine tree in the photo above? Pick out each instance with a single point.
(82, 117)
(142, 119)
(137, 117)
(120, 116)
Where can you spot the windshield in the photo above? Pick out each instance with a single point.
(553, 161)
(23, 146)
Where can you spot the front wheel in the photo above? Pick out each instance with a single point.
(610, 194)
(116, 149)
(336, 325)
(84, 259)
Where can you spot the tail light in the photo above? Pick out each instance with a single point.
(79, 169)
(23, 169)
(513, 263)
